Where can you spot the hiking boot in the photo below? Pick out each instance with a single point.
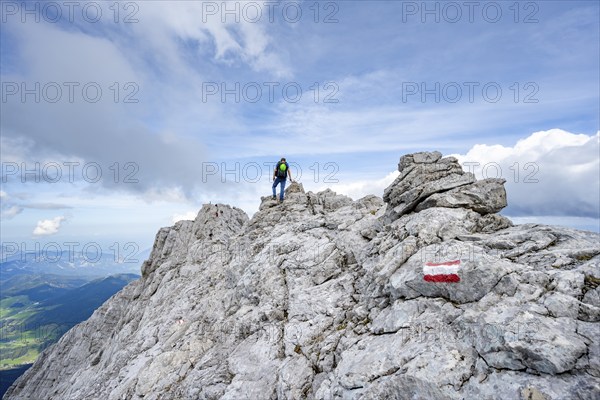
(273, 197)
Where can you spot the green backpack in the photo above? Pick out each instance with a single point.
(282, 170)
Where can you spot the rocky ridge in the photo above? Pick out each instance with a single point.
(324, 297)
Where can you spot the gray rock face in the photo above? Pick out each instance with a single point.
(427, 180)
(323, 297)
(486, 196)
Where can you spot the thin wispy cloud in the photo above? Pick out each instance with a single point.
(11, 211)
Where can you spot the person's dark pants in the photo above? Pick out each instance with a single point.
(277, 182)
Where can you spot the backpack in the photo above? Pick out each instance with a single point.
(282, 170)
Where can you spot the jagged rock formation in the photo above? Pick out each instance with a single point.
(427, 180)
(324, 297)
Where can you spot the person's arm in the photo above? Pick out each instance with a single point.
(275, 173)
(290, 174)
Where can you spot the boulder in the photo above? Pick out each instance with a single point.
(427, 180)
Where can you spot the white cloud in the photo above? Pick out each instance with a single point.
(361, 188)
(187, 216)
(551, 172)
(48, 226)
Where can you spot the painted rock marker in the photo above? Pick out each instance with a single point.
(446, 272)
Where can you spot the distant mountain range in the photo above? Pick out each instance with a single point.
(69, 263)
(69, 307)
(44, 294)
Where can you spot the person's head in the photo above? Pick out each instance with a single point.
(282, 159)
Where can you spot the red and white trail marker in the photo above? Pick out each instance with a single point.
(442, 272)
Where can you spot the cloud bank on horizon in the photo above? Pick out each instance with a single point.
(128, 116)
(550, 173)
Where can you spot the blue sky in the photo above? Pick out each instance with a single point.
(172, 95)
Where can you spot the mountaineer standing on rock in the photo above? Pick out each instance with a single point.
(281, 172)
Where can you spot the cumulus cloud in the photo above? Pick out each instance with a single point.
(159, 140)
(189, 216)
(361, 188)
(550, 173)
(48, 226)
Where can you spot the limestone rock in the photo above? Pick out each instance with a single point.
(426, 180)
(478, 273)
(485, 196)
(324, 297)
